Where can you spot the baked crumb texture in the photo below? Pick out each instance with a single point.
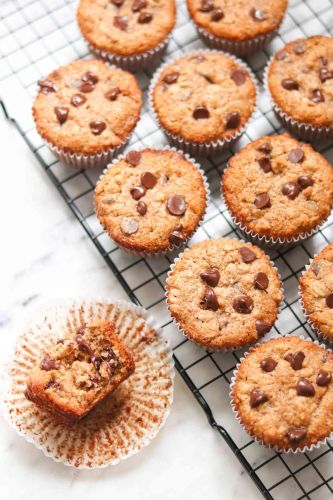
(283, 393)
(79, 372)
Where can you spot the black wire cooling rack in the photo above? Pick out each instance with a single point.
(38, 36)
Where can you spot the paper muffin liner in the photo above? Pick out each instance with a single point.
(302, 130)
(253, 436)
(172, 247)
(209, 147)
(218, 349)
(237, 47)
(126, 420)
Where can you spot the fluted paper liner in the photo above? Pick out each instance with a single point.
(118, 427)
(237, 47)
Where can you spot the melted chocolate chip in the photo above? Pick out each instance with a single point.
(97, 127)
(90, 77)
(296, 155)
(120, 22)
(262, 200)
(262, 327)
(281, 55)
(261, 281)
(243, 304)
(305, 388)
(145, 17)
(323, 378)
(239, 76)
(52, 384)
(209, 300)
(47, 86)
(137, 192)
(148, 180)
(291, 190)
(329, 300)
(265, 164)
(211, 276)
(217, 15)
(129, 226)
(247, 255)
(171, 77)
(232, 120)
(84, 346)
(61, 113)
(325, 74)
(295, 359)
(137, 5)
(268, 365)
(86, 87)
(176, 237)
(133, 157)
(206, 6)
(257, 398)
(200, 113)
(48, 363)
(265, 147)
(305, 181)
(78, 99)
(141, 208)
(295, 435)
(289, 84)
(176, 204)
(258, 14)
(112, 94)
(299, 48)
(317, 96)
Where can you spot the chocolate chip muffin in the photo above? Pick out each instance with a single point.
(203, 100)
(130, 33)
(316, 286)
(224, 293)
(278, 190)
(151, 200)
(241, 27)
(282, 393)
(300, 81)
(86, 111)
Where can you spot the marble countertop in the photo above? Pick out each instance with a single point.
(45, 255)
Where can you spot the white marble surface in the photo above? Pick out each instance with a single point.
(44, 255)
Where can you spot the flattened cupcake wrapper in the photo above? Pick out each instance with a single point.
(260, 441)
(125, 421)
(209, 147)
(172, 247)
(77, 160)
(237, 47)
(304, 131)
(220, 349)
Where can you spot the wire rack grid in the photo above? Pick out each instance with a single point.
(36, 36)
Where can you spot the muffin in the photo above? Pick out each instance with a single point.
(300, 82)
(86, 111)
(203, 100)
(240, 27)
(282, 394)
(224, 294)
(316, 286)
(151, 200)
(130, 33)
(278, 190)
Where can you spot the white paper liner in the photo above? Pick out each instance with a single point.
(86, 161)
(259, 441)
(237, 47)
(205, 148)
(303, 130)
(172, 247)
(126, 420)
(220, 349)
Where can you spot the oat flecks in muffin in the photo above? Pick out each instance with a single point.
(280, 405)
(213, 293)
(278, 187)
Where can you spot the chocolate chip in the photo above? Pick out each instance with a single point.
(145, 17)
(129, 226)
(112, 94)
(52, 384)
(176, 204)
(305, 388)
(177, 237)
(323, 378)
(281, 55)
(171, 77)
(97, 127)
(206, 6)
(86, 87)
(289, 84)
(329, 300)
(90, 77)
(239, 76)
(48, 363)
(120, 22)
(268, 365)
(295, 359)
(78, 99)
(243, 304)
(258, 14)
(295, 435)
(299, 48)
(296, 155)
(262, 200)
(137, 5)
(291, 190)
(265, 164)
(317, 96)
(261, 281)
(262, 327)
(148, 180)
(217, 15)
(209, 300)
(247, 255)
(232, 120)
(61, 113)
(316, 269)
(47, 86)
(200, 113)
(211, 276)
(325, 74)
(257, 398)
(305, 181)
(141, 208)
(265, 147)
(137, 192)
(133, 157)
(117, 3)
